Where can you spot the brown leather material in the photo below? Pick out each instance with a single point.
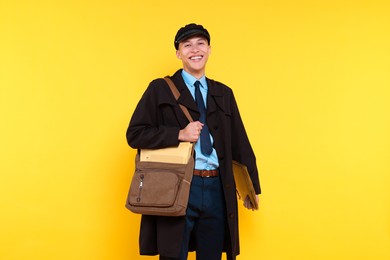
(206, 173)
(160, 189)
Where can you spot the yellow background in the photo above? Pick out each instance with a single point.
(312, 80)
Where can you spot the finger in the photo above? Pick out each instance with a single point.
(248, 203)
(200, 124)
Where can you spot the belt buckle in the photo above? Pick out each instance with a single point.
(208, 176)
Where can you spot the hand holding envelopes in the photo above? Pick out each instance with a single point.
(179, 154)
(244, 184)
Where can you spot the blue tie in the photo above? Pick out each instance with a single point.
(205, 142)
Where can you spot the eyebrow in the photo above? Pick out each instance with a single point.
(199, 39)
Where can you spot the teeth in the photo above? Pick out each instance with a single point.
(196, 57)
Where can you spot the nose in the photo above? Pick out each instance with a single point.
(194, 48)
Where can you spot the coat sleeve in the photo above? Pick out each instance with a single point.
(241, 148)
(146, 129)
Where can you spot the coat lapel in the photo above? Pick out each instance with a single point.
(185, 98)
(214, 99)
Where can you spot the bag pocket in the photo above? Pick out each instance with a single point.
(153, 188)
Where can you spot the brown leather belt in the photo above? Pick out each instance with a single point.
(206, 173)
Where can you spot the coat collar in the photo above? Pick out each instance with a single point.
(185, 98)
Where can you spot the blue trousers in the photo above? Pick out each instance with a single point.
(205, 220)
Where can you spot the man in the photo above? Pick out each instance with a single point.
(211, 222)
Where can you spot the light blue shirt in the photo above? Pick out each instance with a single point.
(202, 162)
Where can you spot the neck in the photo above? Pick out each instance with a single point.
(196, 74)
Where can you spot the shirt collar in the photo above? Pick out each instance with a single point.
(190, 80)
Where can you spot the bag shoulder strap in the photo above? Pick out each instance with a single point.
(176, 93)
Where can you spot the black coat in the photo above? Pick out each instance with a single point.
(156, 122)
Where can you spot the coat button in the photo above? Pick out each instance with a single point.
(227, 185)
(231, 215)
(216, 127)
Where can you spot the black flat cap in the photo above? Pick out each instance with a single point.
(190, 30)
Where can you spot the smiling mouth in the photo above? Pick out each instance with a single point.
(196, 58)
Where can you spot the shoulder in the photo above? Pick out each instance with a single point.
(159, 84)
(219, 88)
(159, 91)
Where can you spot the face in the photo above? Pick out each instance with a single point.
(194, 53)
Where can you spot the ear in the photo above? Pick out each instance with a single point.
(178, 54)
